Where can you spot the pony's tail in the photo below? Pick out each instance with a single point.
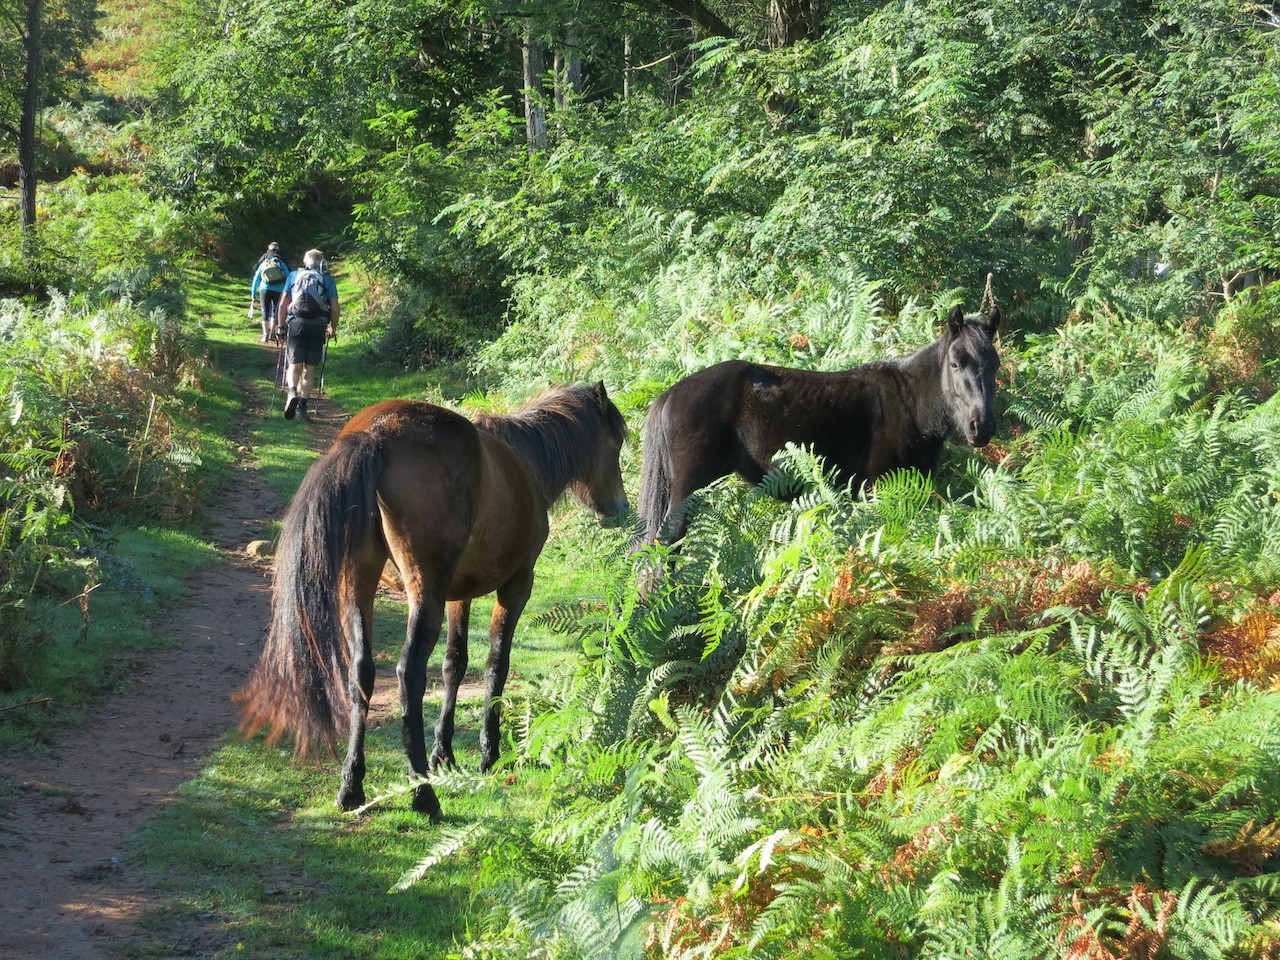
(299, 683)
(654, 499)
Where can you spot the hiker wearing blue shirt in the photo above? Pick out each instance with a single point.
(269, 275)
(307, 318)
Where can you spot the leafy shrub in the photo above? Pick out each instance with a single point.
(1004, 720)
(1245, 341)
(89, 395)
(691, 315)
(409, 328)
(92, 230)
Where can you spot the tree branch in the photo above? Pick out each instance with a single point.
(706, 19)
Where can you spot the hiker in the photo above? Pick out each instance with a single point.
(309, 307)
(269, 275)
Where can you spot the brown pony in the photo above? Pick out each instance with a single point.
(461, 509)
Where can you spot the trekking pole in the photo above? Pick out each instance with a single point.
(279, 362)
(324, 358)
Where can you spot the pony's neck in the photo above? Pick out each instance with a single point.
(924, 367)
(548, 441)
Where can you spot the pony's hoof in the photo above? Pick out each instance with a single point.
(486, 764)
(349, 799)
(442, 758)
(425, 801)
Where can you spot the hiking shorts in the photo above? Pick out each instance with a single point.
(304, 340)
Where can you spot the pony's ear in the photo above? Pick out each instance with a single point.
(955, 319)
(993, 320)
(601, 394)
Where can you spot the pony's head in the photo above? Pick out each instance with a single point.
(599, 487)
(969, 364)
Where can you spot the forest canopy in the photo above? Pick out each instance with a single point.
(1099, 151)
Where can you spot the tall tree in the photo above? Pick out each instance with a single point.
(40, 44)
(568, 68)
(791, 21)
(535, 116)
(27, 129)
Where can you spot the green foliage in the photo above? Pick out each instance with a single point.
(1178, 180)
(1109, 157)
(693, 314)
(108, 232)
(67, 27)
(988, 722)
(95, 425)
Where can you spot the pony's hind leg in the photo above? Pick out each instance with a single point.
(508, 605)
(357, 621)
(455, 666)
(426, 616)
(686, 481)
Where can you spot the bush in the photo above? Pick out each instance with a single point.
(410, 329)
(89, 385)
(985, 714)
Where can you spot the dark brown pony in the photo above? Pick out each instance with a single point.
(460, 508)
(887, 415)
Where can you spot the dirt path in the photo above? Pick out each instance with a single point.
(66, 888)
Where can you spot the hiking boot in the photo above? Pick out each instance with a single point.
(291, 407)
(302, 408)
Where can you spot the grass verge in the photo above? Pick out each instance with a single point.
(91, 642)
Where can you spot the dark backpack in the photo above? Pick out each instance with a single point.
(308, 298)
(273, 270)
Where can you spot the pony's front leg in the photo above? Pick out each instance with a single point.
(359, 691)
(458, 613)
(507, 607)
(426, 614)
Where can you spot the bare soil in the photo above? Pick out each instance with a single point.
(67, 890)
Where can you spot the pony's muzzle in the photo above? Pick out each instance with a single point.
(979, 431)
(616, 514)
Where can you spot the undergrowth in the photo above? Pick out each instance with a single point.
(1028, 708)
(100, 381)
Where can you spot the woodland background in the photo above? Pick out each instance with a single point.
(1027, 708)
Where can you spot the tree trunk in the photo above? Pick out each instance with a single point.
(626, 67)
(791, 21)
(558, 78)
(27, 134)
(535, 112)
(683, 36)
(1079, 228)
(571, 81)
(567, 68)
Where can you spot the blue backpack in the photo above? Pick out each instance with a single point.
(308, 298)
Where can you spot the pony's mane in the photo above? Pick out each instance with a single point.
(557, 432)
(972, 324)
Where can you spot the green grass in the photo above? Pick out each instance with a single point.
(255, 846)
(87, 651)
